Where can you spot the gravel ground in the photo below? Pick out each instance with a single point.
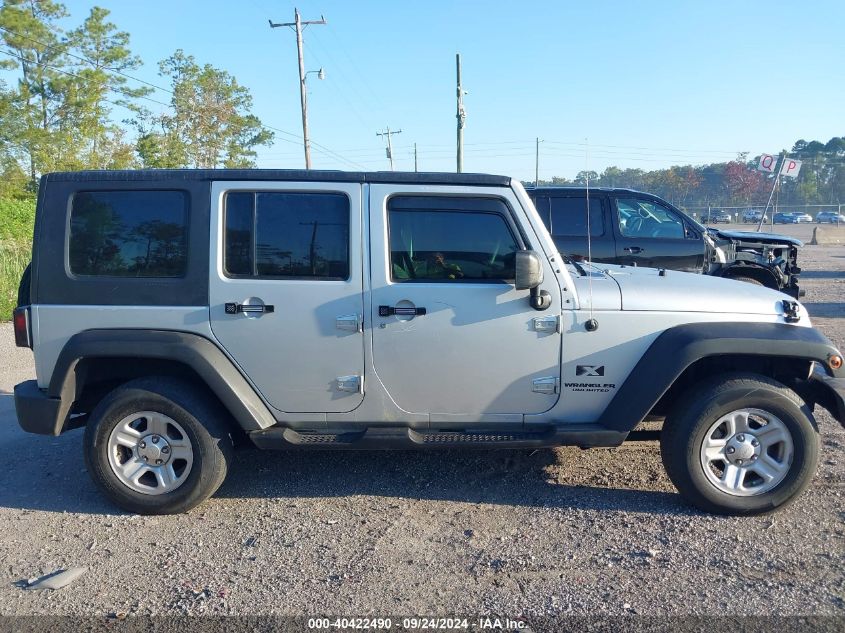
(513, 533)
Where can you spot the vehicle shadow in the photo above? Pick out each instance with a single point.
(823, 274)
(44, 472)
(826, 310)
(495, 477)
(48, 474)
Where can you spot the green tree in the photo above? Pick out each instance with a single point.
(58, 116)
(36, 108)
(211, 125)
(103, 60)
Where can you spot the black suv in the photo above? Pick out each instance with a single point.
(635, 228)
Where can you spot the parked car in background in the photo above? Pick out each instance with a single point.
(716, 216)
(638, 229)
(832, 217)
(785, 218)
(754, 216)
(802, 217)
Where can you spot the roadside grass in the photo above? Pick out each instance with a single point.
(16, 222)
(14, 257)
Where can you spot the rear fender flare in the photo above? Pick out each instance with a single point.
(205, 358)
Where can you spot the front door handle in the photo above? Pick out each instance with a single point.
(247, 308)
(633, 249)
(384, 311)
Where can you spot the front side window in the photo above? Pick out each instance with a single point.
(450, 244)
(570, 218)
(128, 234)
(286, 235)
(644, 218)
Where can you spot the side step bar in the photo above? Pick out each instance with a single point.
(583, 435)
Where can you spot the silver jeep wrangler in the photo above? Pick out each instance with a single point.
(172, 312)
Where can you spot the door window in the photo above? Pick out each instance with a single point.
(570, 218)
(450, 240)
(644, 218)
(286, 235)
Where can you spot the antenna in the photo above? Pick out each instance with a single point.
(591, 325)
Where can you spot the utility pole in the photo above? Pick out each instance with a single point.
(461, 115)
(298, 26)
(415, 157)
(387, 133)
(537, 164)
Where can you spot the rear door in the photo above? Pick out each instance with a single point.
(653, 235)
(452, 337)
(286, 290)
(570, 224)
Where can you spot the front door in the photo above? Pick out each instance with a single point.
(653, 235)
(286, 290)
(451, 335)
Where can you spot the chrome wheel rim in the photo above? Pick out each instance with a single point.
(747, 452)
(150, 453)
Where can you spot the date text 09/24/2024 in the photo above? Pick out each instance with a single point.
(417, 623)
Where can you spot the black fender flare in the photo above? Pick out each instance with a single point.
(677, 348)
(203, 356)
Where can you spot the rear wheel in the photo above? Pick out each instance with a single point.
(157, 446)
(743, 444)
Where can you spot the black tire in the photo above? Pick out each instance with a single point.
(696, 411)
(748, 280)
(194, 410)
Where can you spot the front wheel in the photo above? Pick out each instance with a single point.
(157, 446)
(743, 444)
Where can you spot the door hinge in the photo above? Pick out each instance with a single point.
(546, 324)
(349, 322)
(352, 384)
(546, 385)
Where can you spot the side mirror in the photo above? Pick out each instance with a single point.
(529, 270)
(529, 276)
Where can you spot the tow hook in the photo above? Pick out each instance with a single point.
(790, 311)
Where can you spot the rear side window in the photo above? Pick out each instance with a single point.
(569, 217)
(128, 233)
(465, 243)
(286, 235)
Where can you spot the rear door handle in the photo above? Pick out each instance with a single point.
(247, 308)
(633, 249)
(385, 311)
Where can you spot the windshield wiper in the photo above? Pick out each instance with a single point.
(578, 267)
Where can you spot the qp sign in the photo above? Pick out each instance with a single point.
(767, 163)
(790, 167)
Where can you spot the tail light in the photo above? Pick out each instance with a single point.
(23, 337)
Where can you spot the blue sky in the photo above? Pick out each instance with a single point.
(646, 84)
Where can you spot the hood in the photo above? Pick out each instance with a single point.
(753, 236)
(645, 289)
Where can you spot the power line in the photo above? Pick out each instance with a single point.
(70, 74)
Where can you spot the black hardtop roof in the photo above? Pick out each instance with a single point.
(308, 175)
(580, 188)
